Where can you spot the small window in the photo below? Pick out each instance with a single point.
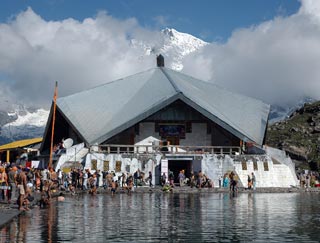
(106, 165)
(244, 165)
(94, 164)
(118, 166)
(265, 166)
(255, 165)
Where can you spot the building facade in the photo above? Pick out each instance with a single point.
(161, 120)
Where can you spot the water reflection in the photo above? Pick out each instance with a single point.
(173, 218)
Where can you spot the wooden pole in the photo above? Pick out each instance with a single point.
(8, 155)
(53, 121)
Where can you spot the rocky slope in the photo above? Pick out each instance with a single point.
(299, 136)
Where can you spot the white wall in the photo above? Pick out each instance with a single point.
(133, 163)
(278, 175)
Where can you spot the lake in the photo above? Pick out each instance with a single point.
(156, 217)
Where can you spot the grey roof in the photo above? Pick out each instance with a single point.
(102, 112)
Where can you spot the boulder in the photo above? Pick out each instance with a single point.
(316, 129)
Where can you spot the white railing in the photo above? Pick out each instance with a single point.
(170, 149)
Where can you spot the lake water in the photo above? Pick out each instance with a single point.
(205, 217)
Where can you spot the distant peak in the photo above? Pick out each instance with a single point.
(169, 32)
(180, 36)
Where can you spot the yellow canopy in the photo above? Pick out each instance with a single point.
(20, 143)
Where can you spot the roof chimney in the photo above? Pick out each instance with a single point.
(160, 61)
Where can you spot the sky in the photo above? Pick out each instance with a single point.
(269, 50)
(205, 19)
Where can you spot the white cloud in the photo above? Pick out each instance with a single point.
(35, 53)
(277, 61)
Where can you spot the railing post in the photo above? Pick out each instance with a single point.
(108, 149)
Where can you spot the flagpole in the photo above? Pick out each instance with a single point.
(53, 121)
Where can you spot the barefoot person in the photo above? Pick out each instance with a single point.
(22, 188)
(113, 187)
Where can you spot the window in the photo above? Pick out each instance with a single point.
(244, 165)
(106, 165)
(94, 164)
(255, 165)
(265, 166)
(118, 166)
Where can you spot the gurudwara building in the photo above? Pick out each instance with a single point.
(160, 120)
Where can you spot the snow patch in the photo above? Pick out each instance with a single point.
(38, 118)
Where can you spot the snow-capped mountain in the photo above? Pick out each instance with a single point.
(178, 45)
(172, 44)
(23, 124)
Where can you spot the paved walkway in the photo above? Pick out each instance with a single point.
(7, 214)
(9, 211)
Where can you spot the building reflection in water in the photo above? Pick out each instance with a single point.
(204, 217)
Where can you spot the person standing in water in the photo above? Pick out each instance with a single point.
(150, 179)
(253, 181)
(113, 187)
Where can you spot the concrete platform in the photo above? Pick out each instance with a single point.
(7, 215)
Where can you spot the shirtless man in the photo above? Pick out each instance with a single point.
(113, 187)
(130, 185)
(22, 188)
(109, 179)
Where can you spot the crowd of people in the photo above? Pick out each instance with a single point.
(15, 186)
(17, 183)
(196, 179)
(86, 180)
(230, 180)
(309, 179)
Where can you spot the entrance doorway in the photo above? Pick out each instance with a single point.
(177, 165)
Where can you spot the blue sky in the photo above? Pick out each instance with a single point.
(211, 20)
(266, 49)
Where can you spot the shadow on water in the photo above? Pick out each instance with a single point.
(234, 217)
